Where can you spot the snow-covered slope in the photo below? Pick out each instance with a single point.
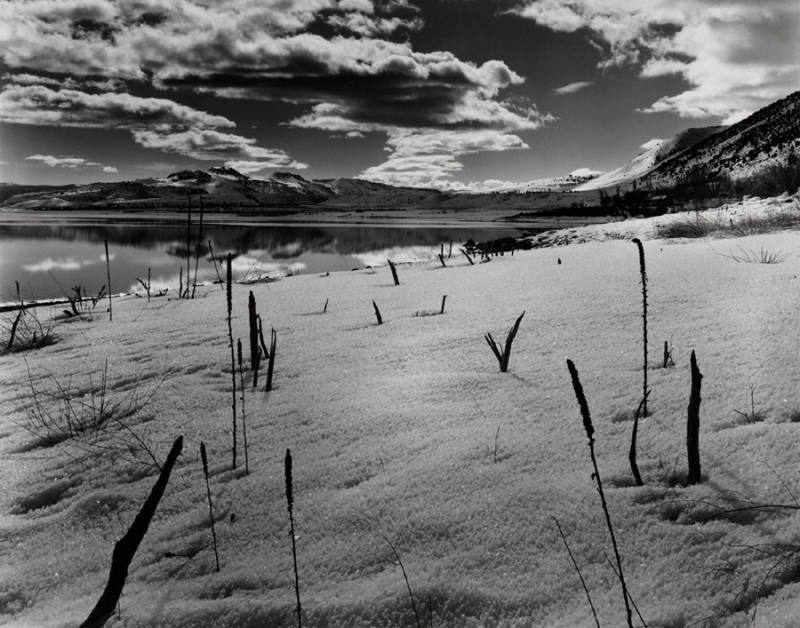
(635, 168)
(767, 137)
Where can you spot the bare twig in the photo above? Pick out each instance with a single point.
(578, 571)
(210, 506)
(405, 577)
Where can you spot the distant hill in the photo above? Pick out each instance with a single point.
(225, 189)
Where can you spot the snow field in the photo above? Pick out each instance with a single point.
(392, 429)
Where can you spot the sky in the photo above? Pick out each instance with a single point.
(451, 94)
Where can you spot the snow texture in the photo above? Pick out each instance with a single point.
(394, 430)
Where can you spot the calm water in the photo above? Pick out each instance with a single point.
(48, 260)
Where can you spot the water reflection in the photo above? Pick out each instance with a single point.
(48, 260)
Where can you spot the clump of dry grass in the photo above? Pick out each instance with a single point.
(707, 224)
(81, 412)
(504, 356)
(25, 332)
(763, 256)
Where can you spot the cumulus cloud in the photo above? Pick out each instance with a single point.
(571, 88)
(41, 105)
(154, 122)
(348, 62)
(211, 145)
(368, 26)
(69, 162)
(426, 158)
(247, 49)
(62, 162)
(736, 55)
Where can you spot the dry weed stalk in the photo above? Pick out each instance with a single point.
(405, 577)
(589, 428)
(377, 313)
(229, 300)
(244, 411)
(287, 465)
(255, 354)
(204, 459)
(216, 268)
(197, 249)
(108, 279)
(643, 273)
(632, 452)
(125, 548)
(693, 425)
(394, 272)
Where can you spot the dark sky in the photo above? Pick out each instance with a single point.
(458, 94)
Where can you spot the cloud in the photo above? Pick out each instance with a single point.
(43, 106)
(210, 145)
(737, 56)
(368, 26)
(246, 166)
(66, 162)
(61, 162)
(429, 158)
(69, 162)
(256, 50)
(347, 62)
(571, 88)
(155, 123)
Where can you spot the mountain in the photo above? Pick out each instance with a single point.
(222, 188)
(655, 152)
(761, 140)
(765, 138)
(636, 167)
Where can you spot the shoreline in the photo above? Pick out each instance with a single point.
(467, 219)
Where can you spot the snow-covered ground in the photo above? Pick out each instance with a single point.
(408, 430)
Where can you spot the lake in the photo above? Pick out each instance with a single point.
(48, 260)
